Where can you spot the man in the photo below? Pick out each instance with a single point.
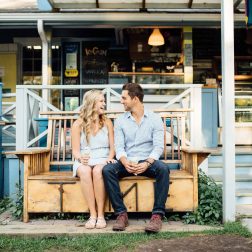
(139, 136)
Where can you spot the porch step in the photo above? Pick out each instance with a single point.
(243, 196)
(238, 177)
(243, 174)
(237, 165)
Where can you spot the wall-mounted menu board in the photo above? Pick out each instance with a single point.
(95, 62)
(206, 43)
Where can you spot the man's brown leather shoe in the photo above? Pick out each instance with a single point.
(121, 222)
(155, 224)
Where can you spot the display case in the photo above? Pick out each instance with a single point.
(243, 103)
(146, 78)
(243, 87)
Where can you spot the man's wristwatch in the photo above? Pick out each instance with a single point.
(149, 163)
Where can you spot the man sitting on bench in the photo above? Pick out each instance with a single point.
(139, 142)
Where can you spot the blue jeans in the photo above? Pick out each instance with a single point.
(112, 173)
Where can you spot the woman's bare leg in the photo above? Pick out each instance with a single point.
(85, 174)
(99, 189)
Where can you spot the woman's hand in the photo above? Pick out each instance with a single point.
(111, 161)
(83, 160)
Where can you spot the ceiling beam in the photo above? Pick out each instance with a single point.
(190, 4)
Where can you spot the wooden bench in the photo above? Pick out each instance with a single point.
(49, 186)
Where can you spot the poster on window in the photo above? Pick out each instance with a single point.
(71, 63)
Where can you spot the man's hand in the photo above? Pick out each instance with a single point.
(141, 167)
(129, 166)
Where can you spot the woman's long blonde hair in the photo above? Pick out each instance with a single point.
(88, 112)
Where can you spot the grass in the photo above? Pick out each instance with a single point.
(103, 242)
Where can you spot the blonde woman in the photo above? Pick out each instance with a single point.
(93, 147)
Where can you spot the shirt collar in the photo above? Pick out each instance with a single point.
(146, 114)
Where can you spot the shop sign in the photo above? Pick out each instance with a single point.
(71, 73)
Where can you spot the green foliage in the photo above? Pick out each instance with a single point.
(5, 203)
(17, 205)
(209, 210)
(236, 228)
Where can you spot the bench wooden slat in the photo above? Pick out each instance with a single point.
(68, 176)
(64, 139)
(59, 140)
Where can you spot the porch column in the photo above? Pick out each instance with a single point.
(227, 57)
(188, 55)
(46, 37)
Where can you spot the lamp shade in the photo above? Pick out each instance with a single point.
(156, 38)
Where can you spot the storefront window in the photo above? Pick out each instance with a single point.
(32, 65)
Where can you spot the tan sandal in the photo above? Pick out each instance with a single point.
(91, 222)
(101, 222)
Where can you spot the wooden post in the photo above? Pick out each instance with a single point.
(196, 117)
(25, 201)
(21, 118)
(46, 60)
(227, 56)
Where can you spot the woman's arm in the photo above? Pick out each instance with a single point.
(111, 138)
(76, 135)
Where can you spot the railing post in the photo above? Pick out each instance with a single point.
(21, 118)
(196, 117)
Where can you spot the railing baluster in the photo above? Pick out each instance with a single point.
(178, 134)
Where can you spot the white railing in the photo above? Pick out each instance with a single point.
(30, 103)
(8, 115)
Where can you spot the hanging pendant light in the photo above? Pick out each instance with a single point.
(156, 38)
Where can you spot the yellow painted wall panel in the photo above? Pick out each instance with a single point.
(8, 61)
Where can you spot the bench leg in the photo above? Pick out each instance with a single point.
(25, 217)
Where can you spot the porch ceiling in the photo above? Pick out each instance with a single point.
(142, 5)
(116, 5)
(141, 13)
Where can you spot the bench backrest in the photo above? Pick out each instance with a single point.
(59, 137)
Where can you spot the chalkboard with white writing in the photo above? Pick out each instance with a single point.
(95, 63)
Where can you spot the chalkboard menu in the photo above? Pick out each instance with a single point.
(95, 63)
(206, 43)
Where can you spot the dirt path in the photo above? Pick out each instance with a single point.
(206, 243)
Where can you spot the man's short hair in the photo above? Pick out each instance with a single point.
(134, 90)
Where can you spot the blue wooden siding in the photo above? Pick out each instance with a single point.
(210, 117)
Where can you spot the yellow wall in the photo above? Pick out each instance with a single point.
(9, 62)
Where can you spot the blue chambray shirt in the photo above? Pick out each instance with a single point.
(142, 141)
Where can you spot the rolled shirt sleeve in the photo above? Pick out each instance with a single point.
(158, 137)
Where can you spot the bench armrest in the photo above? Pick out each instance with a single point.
(192, 158)
(29, 151)
(36, 160)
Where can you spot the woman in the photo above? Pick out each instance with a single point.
(93, 131)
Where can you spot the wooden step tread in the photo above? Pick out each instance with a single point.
(238, 177)
(67, 176)
(243, 193)
(237, 165)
